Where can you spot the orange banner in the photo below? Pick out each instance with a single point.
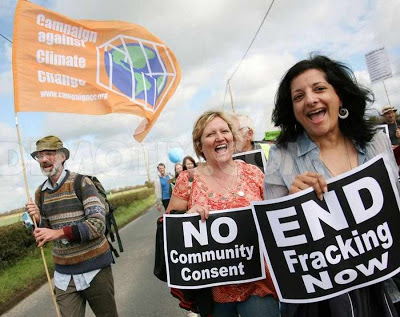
(90, 67)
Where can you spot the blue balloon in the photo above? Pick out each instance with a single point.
(175, 155)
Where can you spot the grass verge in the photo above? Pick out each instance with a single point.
(21, 279)
(127, 192)
(9, 219)
(124, 215)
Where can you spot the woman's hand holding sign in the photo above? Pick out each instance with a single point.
(202, 211)
(309, 179)
(321, 111)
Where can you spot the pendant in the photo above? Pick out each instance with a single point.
(240, 193)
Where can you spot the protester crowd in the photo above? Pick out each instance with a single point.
(320, 111)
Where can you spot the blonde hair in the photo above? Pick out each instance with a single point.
(201, 123)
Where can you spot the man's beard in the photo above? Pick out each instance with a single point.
(56, 168)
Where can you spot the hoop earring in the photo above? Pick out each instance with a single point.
(343, 113)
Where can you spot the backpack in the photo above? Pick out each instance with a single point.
(111, 225)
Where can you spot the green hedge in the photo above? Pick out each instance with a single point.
(15, 242)
(126, 188)
(130, 197)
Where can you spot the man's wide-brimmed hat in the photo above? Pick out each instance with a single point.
(50, 143)
(386, 109)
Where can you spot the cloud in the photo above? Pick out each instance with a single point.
(6, 86)
(10, 164)
(6, 53)
(387, 22)
(381, 98)
(255, 84)
(6, 7)
(209, 39)
(12, 192)
(6, 80)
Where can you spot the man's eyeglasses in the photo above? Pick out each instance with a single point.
(42, 155)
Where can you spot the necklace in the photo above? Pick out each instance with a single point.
(240, 193)
(347, 155)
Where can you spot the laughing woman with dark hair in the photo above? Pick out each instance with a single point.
(320, 109)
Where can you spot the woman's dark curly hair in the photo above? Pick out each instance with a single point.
(354, 97)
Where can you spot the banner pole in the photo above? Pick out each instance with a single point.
(34, 219)
(146, 161)
(387, 95)
(230, 92)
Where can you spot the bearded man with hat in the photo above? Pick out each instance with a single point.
(389, 116)
(76, 226)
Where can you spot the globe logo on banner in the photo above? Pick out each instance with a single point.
(134, 69)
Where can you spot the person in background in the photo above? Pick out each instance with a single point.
(222, 183)
(178, 169)
(320, 109)
(389, 116)
(81, 252)
(162, 187)
(245, 136)
(188, 163)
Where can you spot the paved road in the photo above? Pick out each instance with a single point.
(138, 292)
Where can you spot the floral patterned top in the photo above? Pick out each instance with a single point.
(250, 182)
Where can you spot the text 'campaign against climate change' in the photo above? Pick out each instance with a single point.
(320, 249)
(222, 250)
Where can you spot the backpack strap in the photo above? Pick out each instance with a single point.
(113, 223)
(41, 197)
(78, 186)
(109, 217)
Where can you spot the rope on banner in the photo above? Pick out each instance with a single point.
(230, 92)
(228, 83)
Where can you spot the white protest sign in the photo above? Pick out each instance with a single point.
(378, 65)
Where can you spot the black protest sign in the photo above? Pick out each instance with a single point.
(316, 249)
(255, 157)
(222, 250)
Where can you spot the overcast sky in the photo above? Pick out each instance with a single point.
(209, 38)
